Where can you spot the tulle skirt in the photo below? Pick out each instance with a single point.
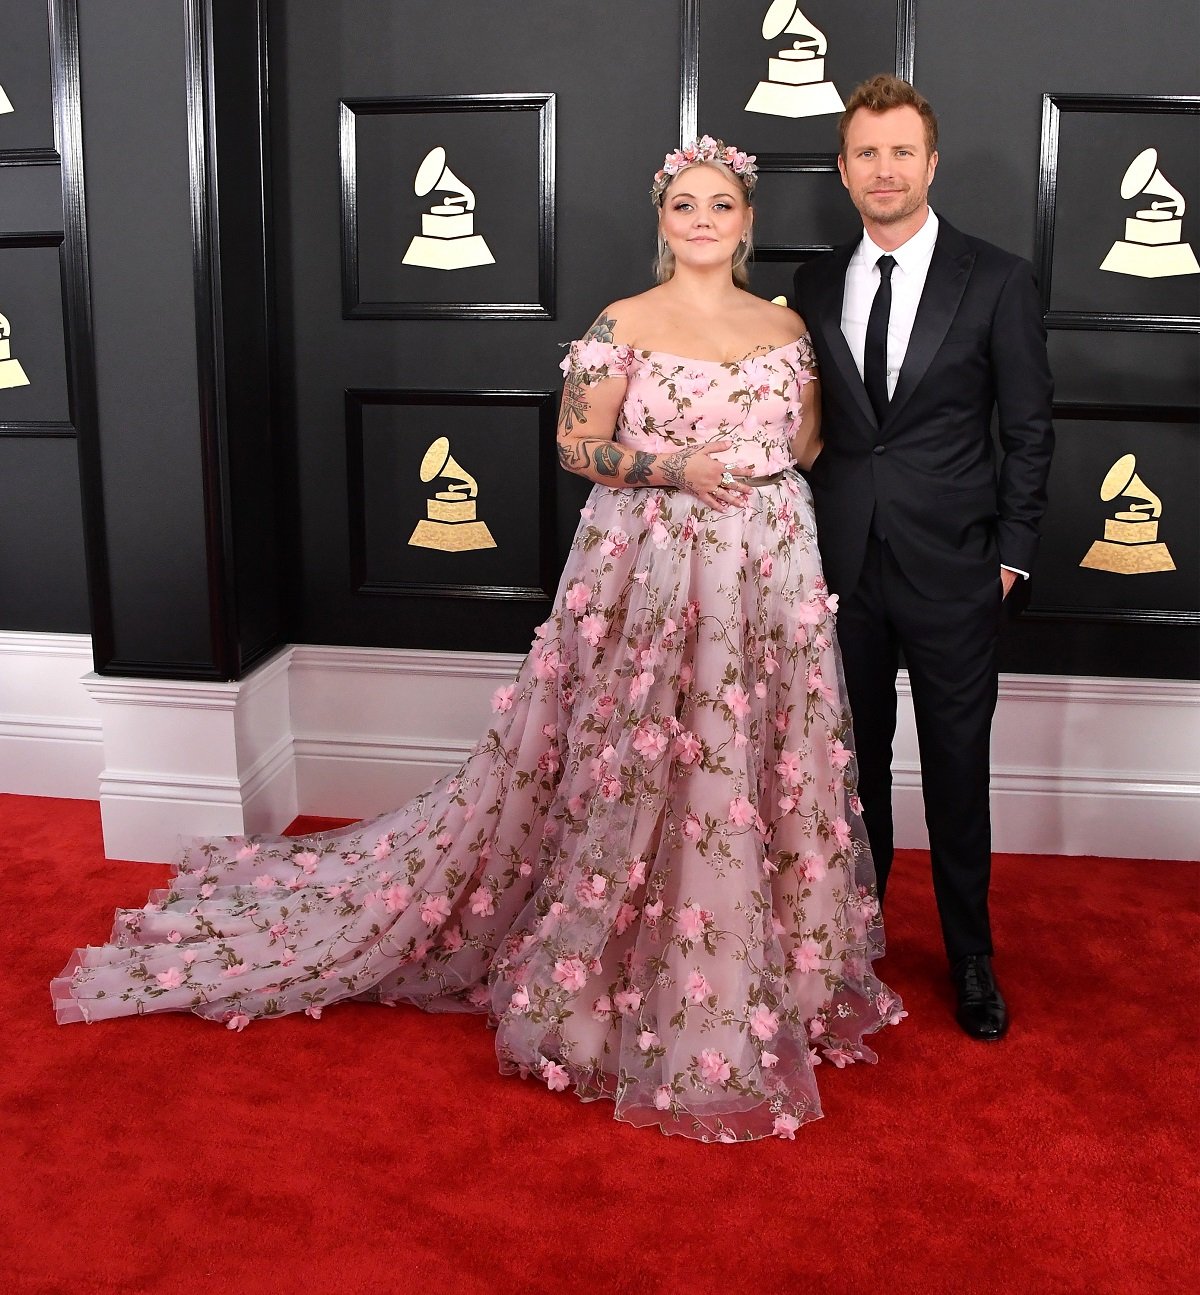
(651, 872)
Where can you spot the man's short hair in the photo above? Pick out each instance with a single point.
(883, 92)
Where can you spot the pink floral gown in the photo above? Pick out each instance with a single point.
(651, 872)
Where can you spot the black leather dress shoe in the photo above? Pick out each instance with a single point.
(981, 1010)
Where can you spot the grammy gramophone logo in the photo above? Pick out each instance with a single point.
(5, 102)
(1130, 545)
(795, 84)
(450, 523)
(447, 240)
(11, 372)
(1153, 246)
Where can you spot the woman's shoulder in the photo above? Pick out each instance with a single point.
(621, 322)
(778, 320)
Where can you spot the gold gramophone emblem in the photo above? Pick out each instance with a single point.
(450, 523)
(11, 372)
(795, 84)
(447, 240)
(1153, 246)
(1130, 545)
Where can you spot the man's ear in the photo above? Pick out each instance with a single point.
(842, 170)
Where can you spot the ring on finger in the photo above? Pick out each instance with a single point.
(727, 478)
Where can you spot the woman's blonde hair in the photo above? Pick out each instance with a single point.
(664, 261)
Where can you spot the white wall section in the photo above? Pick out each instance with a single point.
(1079, 765)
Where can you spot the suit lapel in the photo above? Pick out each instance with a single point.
(831, 326)
(949, 270)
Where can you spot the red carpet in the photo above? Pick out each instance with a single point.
(379, 1151)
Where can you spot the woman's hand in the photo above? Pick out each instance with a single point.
(697, 470)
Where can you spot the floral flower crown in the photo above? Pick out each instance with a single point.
(704, 149)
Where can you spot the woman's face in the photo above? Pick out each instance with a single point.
(704, 216)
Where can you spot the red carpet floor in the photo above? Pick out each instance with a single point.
(379, 1151)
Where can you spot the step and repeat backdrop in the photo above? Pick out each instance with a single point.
(493, 210)
(459, 189)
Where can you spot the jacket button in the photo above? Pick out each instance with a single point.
(879, 449)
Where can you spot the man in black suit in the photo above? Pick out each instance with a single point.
(920, 333)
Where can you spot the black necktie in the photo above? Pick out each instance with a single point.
(875, 354)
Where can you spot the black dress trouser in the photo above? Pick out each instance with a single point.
(949, 648)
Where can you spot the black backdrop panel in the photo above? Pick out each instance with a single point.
(25, 77)
(734, 62)
(502, 470)
(614, 72)
(41, 530)
(31, 300)
(772, 272)
(1125, 367)
(800, 210)
(1165, 450)
(491, 149)
(32, 198)
(1095, 149)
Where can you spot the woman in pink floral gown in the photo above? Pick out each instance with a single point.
(651, 872)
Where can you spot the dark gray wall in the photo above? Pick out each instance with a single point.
(135, 136)
(198, 550)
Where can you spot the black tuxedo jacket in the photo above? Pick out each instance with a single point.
(951, 514)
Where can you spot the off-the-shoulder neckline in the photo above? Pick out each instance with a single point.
(691, 359)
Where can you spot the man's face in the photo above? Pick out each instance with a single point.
(887, 166)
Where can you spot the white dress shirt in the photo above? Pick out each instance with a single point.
(908, 282)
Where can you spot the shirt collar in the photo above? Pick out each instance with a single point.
(910, 256)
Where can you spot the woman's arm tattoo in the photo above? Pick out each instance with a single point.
(571, 456)
(675, 465)
(574, 403)
(639, 473)
(607, 459)
(601, 330)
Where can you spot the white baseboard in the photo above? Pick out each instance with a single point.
(1079, 765)
(51, 740)
(186, 758)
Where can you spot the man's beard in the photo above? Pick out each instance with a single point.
(890, 215)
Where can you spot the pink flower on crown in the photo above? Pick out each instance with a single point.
(705, 149)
